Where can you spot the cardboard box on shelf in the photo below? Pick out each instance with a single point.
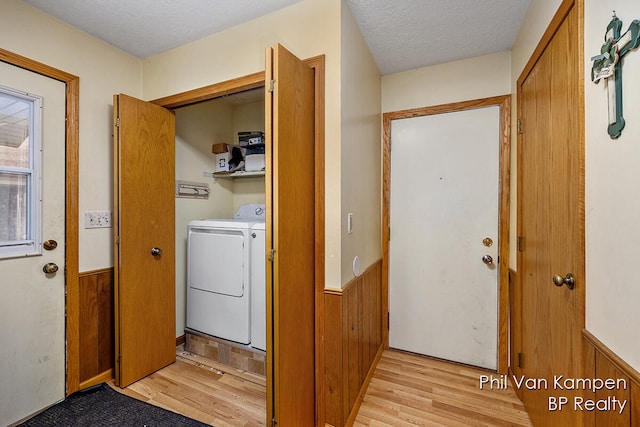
(220, 148)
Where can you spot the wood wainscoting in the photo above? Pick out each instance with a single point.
(600, 362)
(353, 343)
(96, 327)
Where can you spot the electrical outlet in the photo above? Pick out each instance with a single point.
(97, 220)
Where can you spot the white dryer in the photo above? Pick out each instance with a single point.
(219, 274)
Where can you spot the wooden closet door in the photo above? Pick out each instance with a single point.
(144, 229)
(290, 239)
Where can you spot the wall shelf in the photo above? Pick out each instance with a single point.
(238, 174)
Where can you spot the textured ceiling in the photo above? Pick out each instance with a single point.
(409, 34)
(147, 27)
(402, 34)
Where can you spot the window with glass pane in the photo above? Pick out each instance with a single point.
(18, 167)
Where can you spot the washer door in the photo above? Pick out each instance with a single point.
(217, 261)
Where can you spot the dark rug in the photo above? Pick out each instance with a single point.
(103, 406)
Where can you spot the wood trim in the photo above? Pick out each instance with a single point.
(94, 272)
(71, 205)
(256, 80)
(182, 339)
(216, 90)
(239, 84)
(318, 65)
(616, 360)
(98, 379)
(553, 26)
(347, 288)
(504, 102)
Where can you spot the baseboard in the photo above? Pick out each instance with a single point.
(98, 379)
(181, 340)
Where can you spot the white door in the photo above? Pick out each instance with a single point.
(443, 299)
(32, 303)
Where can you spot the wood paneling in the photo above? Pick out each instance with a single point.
(353, 341)
(602, 363)
(96, 326)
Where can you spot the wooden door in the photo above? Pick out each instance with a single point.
(32, 209)
(443, 298)
(290, 235)
(144, 223)
(551, 222)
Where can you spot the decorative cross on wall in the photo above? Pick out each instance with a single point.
(608, 66)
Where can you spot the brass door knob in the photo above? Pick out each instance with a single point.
(50, 268)
(566, 280)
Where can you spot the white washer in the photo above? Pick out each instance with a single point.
(219, 274)
(258, 287)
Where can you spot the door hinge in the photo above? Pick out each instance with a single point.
(274, 421)
(520, 131)
(118, 240)
(520, 244)
(520, 362)
(272, 255)
(118, 122)
(271, 85)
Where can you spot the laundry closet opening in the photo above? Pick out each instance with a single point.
(220, 243)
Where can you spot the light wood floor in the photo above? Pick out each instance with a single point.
(411, 390)
(406, 390)
(206, 391)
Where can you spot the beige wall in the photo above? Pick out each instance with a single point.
(360, 161)
(307, 28)
(612, 193)
(103, 71)
(474, 78)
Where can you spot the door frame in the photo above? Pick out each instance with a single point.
(504, 161)
(72, 88)
(257, 80)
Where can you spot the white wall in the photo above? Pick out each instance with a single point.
(103, 71)
(612, 193)
(307, 28)
(360, 161)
